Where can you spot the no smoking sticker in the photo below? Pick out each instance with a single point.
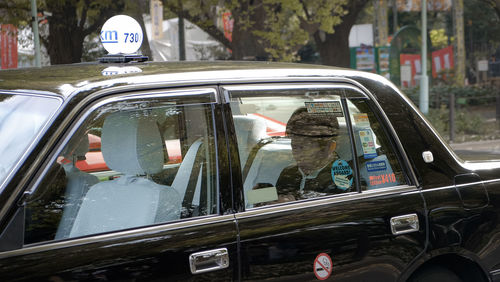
(323, 266)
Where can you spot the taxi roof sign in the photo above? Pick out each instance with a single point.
(121, 35)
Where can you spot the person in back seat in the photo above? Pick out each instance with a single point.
(317, 171)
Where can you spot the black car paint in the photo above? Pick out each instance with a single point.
(450, 227)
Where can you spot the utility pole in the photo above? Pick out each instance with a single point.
(34, 18)
(182, 40)
(394, 16)
(381, 23)
(424, 79)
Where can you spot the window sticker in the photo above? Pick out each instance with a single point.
(331, 107)
(342, 174)
(262, 195)
(378, 173)
(369, 151)
(381, 179)
(376, 166)
(361, 120)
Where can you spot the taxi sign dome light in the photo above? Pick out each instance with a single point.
(121, 35)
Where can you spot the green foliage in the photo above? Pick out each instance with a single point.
(282, 35)
(289, 24)
(439, 39)
(482, 24)
(281, 28)
(467, 123)
(440, 119)
(468, 95)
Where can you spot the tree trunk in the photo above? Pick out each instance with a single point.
(65, 39)
(245, 45)
(334, 48)
(136, 13)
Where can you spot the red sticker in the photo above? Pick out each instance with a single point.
(323, 266)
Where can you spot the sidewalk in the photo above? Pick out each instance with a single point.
(492, 146)
(479, 150)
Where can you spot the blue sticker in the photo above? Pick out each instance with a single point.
(376, 166)
(342, 174)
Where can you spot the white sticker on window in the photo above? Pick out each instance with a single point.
(361, 120)
(262, 195)
(330, 107)
(369, 150)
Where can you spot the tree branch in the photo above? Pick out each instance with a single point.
(211, 29)
(83, 17)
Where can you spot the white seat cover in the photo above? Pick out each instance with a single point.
(131, 145)
(249, 131)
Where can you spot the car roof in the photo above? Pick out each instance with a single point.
(68, 80)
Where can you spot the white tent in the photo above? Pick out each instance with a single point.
(199, 44)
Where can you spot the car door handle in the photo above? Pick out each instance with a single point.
(404, 224)
(209, 260)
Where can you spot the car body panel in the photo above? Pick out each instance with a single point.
(456, 217)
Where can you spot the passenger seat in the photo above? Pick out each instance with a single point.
(132, 145)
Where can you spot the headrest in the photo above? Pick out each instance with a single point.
(255, 127)
(132, 144)
(77, 147)
(312, 124)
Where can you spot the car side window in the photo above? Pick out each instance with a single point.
(130, 164)
(293, 144)
(379, 166)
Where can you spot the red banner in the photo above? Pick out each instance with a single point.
(228, 21)
(415, 62)
(442, 60)
(8, 46)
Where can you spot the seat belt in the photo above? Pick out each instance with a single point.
(252, 155)
(193, 178)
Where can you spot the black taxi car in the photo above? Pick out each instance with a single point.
(233, 171)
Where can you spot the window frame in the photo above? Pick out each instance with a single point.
(208, 95)
(377, 110)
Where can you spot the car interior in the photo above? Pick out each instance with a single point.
(159, 167)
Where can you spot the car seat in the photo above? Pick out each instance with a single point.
(78, 182)
(249, 132)
(188, 180)
(132, 145)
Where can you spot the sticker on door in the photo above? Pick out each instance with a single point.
(323, 266)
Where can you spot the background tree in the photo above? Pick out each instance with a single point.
(495, 4)
(70, 22)
(273, 29)
(333, 47)
(72, 25)
(248, 17)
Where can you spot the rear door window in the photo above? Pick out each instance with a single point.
(295, 143)
(289, 141)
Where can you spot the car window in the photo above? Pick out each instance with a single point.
(32, 112)
(130, 164)
(378, 163)
(293, 144)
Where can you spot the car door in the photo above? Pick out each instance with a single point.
(312, 210)
(135, 189)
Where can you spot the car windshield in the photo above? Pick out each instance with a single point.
(21, 119)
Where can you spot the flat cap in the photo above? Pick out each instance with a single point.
(312, 124)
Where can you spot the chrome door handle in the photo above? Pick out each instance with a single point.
(404, 224)
(209, 261)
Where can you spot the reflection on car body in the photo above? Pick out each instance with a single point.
(234, 171)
